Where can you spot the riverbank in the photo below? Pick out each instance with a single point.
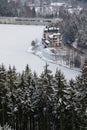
(26, 21)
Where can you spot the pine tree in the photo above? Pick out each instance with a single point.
(45, 93)
(84, 93)
(81, 84)
(60, 100)
(73, 108)
(12, 78)
(28, 75)
(84, 73)
(3, 92)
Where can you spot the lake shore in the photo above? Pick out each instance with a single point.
(24, 21)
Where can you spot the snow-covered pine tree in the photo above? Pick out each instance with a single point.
(83, 98)
(81, 85)
(60, 100)
(45, 88)
(22, 108)
(38, 103)
(31, 90)
(3, 92)
(12, 78)
(28, 74)
(73, 107)
(84, 74)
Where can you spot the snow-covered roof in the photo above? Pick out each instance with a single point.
(46, 29)
(56, 34)
(51, 36)
(47, 41)
(51, 29)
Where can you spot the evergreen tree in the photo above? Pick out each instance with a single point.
(60, 100)
(3, 92)
(45, 90)
(81, 84)
(33, 12)
(12, 78)
(73, 108)
(84, 73)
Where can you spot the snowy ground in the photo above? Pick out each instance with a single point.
(14, 43)
(46, 55)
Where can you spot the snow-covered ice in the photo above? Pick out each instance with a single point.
(14, 43)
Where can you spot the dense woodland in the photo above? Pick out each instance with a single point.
(15, 9)
(74, 27)
(18, 8)
(45, 102)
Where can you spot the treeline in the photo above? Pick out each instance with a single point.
(45, 102)
(74, 27)
(16, 9)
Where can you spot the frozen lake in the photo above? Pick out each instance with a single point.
(14, 42)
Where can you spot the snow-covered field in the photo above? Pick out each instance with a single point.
(14, 43)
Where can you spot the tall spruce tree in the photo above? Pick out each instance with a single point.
(81, 84)
(60, 100)
(46, 85)
(73, 108)
(3, 92)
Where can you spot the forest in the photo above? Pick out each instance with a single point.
(73, 27)
(44, 102)
(18, 8)
(15, 9)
